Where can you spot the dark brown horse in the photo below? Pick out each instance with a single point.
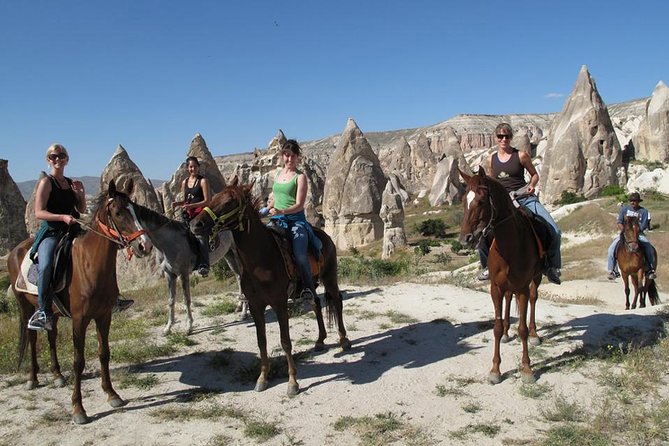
(265, 277)
(90, 294)
(514, 262)
(632, 263)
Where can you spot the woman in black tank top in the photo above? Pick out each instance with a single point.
(58, 201)
(196, 195)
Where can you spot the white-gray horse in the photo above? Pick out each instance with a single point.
(177, 254)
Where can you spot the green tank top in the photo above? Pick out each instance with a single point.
(285, 193)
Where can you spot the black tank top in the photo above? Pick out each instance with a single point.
(511, 173)
(195, 193)
(62, 201)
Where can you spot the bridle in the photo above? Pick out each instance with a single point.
(227, 221)
(110, 231)
(493, 214)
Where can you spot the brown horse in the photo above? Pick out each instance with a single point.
(90, 294)
(514, 262)
(632, 263)
(265, 277)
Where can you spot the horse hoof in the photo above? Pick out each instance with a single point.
(319, 347)
(117, 402)
(261, 386)
(31, 385)
(345, 344)
(528, 378)
(494, 378)
(80, 418)
(534, 341)
(505, 338)
(60, 382)
(166, 331)
(293, 389)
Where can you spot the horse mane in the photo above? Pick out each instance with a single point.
(241, 193)
(98, 202)
(498, 192)
(155, 218)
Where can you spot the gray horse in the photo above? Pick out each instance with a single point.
(177, 254)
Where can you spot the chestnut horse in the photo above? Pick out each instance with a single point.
(265, 280)
(515, 263)
(632, 264)
(90, 294)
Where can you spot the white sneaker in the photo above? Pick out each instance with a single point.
(484, 275)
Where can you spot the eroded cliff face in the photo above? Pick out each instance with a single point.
(12, 210)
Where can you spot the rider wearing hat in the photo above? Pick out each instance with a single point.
(634, 209)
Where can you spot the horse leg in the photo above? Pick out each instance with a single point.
(335, 303)
(507, 316)
(102, 325)
(526, 374)
(185, 289)
(495, 377)
(29, 337)
(59, 379)
(287, 345)
(627, 290)
(258, 314)
(534, 338)
(635, 284)
(79, 340)
(171, 288)
(322, 333)
(242, 304)
(642, 290)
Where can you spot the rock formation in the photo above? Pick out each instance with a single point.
(32, 224)
(353, 188)
(447, 185)
(392, 214)
(583, 154)
(122, 169)
(651, 142)
(12, 210)
(172, 189)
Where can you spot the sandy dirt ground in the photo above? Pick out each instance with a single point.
(421, 353)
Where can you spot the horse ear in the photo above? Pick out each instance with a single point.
(111, 190)
(464, 176)
(249, 187)
(235, 181)
(129, 186)
(481, 172)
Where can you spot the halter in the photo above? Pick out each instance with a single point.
(112, 233)
(220, 222)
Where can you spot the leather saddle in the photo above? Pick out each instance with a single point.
(283, 241)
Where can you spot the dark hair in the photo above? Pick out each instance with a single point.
(194, 159)
(291, 145)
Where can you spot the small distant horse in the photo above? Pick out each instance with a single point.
(90, 294)
(177, 253)
(265, 277)
(515, 263)
(632, 263)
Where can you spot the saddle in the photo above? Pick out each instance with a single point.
(283, 241)
(26, 281)
(542, 232)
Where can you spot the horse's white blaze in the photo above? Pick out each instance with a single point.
(144, 238)
(470, 198)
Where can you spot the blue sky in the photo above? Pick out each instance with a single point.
(149, 75)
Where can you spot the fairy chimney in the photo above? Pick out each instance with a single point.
(583, 153)
(122, 169)
(651, 141)
(32, 223)
(12, 210)
(447, 186)
(392, 214)
(354, 185)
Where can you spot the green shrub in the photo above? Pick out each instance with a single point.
(353, 268)
(423, 248)
(456, 246)
(612, 191)
(432, 227)
(568, 197)
(222, 271)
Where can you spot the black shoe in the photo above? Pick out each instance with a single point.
(553, 275)
(651, 274)
(123, 304)
(40, 321)
(203, 270)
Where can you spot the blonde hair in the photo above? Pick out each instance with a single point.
(56, 147)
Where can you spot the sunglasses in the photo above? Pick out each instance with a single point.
(500, 137)
(57, 156)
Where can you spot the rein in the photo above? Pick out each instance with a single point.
(220, 222)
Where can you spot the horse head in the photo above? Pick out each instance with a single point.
(477, 204)
(630, 233)
(117, 218)
(227, 210)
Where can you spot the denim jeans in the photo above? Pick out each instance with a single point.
(647, 247)
(533, 205)
(300, 252)
(45, 252)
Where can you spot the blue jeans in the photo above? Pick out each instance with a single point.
(533, 205)
(45, 252)
(647, 247)
(300, 252)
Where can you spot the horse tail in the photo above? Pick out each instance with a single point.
(653, 295)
